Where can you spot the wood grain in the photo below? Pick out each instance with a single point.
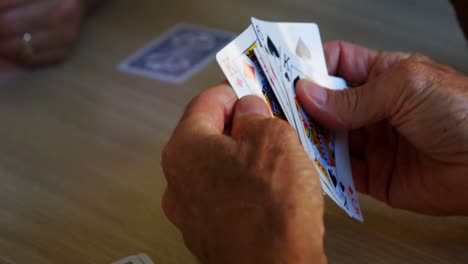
(80, 142)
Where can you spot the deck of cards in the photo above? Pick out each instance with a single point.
(267, 60)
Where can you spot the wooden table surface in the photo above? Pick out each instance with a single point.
(80, 143)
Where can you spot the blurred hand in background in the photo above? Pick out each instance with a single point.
(39, 32)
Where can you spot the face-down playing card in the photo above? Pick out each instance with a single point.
(177, 54)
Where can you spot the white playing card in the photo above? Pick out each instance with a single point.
(267, 60)
(244, 72)
(330, 149)
(226, 58)
(145, 259)
(271, 45)
(275, 85)
(302, 40)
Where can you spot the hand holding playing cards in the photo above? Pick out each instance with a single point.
(240, 187)
(409, 146)
(39, 32)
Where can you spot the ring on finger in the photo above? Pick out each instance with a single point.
(28, 51)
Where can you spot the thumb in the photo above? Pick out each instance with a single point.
(248, 109)
(350, 108)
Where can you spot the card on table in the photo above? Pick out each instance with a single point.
(267, 60)
(135, 259)
(178, 54)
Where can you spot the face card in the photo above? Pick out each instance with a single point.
(178, 54)
(244, 72)
(274, 83)
(271, 46)
(330, 149)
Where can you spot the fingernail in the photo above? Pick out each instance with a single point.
(314, 92)
(252, 104)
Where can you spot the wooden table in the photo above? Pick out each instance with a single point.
(80, 143)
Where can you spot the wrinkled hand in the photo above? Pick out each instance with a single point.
(409, 117)
(52, 24)
(246, 195)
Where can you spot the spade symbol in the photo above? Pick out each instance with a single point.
(342, 187)
(286, 75)
(272, 48)
(333, 178)
(301, 50)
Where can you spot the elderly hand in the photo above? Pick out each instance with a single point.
(241, 189)
(37, 32)
(409, 117)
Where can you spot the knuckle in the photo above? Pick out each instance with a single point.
(191, 104)
(414, 73)
(347, 102)
(419, 57)
(275, 129)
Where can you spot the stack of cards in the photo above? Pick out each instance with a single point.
(267, 60)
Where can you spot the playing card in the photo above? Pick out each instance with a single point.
(329, 149)
(145, 259)
(271, 46)
(302, 40)
(178, 54)
(136, 259)
(275, 85)
(268, 59)
(244, 72)
(129, 260)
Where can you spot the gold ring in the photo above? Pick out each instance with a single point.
(28, 51)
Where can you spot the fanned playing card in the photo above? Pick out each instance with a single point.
(267, 60)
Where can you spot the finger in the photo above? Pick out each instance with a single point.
(353, 108)
(248, 110)
(42, 40)
(386, 60)
(351, 62)
(357, 64)
(209, 112)
(28, 17)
